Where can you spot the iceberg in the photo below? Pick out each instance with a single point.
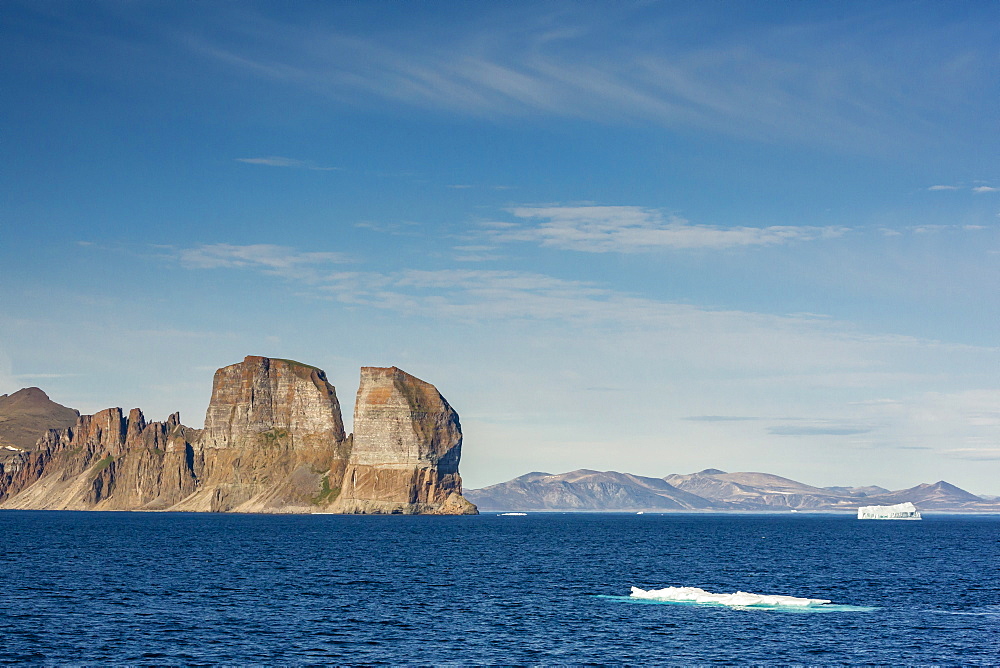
(900, 511)
(739, 599)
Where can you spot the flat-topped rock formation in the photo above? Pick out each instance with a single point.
(273, 442)
(273, 432)
(407, 444)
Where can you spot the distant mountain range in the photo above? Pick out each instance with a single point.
(708, 490)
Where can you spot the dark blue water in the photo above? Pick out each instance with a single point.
(144, 588)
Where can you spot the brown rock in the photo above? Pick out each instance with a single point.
(407, 445)
(273, 433)
(106, 461)
(26, 415)
(273, 442)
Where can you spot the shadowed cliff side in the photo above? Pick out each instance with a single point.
(407, 445)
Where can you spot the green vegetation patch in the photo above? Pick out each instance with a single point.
(103, 464)
(326, 493)
(273, 436)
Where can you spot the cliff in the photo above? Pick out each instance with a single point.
(273, 433)
(106, 461)
(407, 444)
(273, 442)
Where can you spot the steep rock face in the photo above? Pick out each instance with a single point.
(273, 442)
(106, 461)
(273, 434)
(407, 445)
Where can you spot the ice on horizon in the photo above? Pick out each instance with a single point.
(740, 599)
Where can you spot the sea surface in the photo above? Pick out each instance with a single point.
(165, 588)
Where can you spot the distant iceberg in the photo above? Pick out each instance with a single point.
(740, 599)
(900, 511)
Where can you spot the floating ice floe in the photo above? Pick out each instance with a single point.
(900, 511)
(740, 599)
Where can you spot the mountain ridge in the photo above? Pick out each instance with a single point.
(709, 490)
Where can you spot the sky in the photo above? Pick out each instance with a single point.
(652, 237)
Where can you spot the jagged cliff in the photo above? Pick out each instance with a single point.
(107, 461)
(273, 441)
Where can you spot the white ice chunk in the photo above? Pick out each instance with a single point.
(900, 511)
(738, 599)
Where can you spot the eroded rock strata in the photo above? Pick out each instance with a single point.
(407, 444)
(273, 442)
(107, 461)
(273, 432)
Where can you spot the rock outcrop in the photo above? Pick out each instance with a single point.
(273, 442)
(407, 444)
(273, 433)
(106, 461)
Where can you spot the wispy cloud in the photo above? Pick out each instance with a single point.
(975, 189)
(975, 454)
(632, 229)
(278, 161)
(270, 259)
(818, 430)
(814, 81)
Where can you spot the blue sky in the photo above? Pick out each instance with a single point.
(651, 237)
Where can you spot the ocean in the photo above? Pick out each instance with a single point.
(164, 588)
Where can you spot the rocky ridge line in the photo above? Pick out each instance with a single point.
(273, 442)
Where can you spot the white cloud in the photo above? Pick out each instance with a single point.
(268, 258)
(632, 229)
(943, 188)
(985, 189)
(278, 161)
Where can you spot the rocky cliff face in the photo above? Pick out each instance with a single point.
(106, 461)
(273, 442)
(273, 433)
(407, 444)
